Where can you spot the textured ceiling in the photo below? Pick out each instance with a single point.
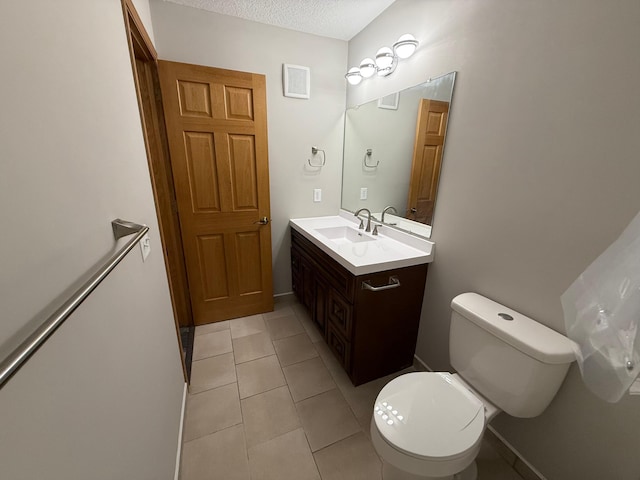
(341, 19)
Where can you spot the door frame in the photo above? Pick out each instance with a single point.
(155, 138)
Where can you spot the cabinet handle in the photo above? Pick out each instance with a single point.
(394, 282)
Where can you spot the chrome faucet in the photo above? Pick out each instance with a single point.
(386, 209)
(368, 219)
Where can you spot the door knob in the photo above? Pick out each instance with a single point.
(263, 221)
(413, 210)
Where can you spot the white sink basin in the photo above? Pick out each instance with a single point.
(361, 253)
(343, 234)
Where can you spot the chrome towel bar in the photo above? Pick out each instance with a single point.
(394, 282)
(12, 363)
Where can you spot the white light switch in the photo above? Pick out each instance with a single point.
(145, 246)
(363, 193)
(317, 194)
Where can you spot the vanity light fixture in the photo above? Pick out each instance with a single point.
(353, 76)
(367, 68)
(384, 57)
(386, 60)
(405, 46)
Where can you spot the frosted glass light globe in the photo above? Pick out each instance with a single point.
(384, 57)
(353, 76)
(405, 46)
(367, 67)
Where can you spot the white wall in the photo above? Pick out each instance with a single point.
(190, 35)
(102, 398)
(540, 175)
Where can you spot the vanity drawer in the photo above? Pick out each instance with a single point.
(339, 346)
(340, 313)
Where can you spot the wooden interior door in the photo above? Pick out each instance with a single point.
(427, 158)
(217, 130)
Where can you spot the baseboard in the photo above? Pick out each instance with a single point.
(180, 430)
(420, 364)
(286, 294)
(520, 465)
(507, 451)
(284, 297)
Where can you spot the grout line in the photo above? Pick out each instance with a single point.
(266, 391)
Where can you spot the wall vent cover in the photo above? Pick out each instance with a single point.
(296, 81)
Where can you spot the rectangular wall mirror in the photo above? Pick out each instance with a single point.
(393, 151)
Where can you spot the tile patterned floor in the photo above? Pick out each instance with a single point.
(268, 401)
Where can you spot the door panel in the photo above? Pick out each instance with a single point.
(427, 158)
(249, 264)
(202, 172)
(218, 142)
(242, 156)
(194, 99)
(212, 255)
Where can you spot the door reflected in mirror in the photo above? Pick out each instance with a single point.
(393, 151)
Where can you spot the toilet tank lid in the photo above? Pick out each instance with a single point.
(523, 333)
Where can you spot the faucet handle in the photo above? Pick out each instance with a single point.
(375, 230)
(361, 224)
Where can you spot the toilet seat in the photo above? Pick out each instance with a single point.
(429, 416)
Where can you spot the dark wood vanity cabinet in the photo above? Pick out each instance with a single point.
(371, 333)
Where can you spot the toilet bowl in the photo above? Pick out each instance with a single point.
(427, 425)
(430, 425)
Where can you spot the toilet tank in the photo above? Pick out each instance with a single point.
(515, 362)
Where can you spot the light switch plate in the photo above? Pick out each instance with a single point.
(363, 193)
(317, 194)
(145, 246)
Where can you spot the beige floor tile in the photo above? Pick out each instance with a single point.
(496, 469)
(307, 323)
(279, 311)
(308, 378)
(252, 347)
(284, 300)
(496, 445)
(269, 415)
(294, 349)
(350, 459)
(212, 327)
(220, 455)
(286, 457)
(284, 326)
(362, 397)
(212, 372)
(211, 411)
(212, 344)
(365, 424)
(329, 359)
(326, 418)
(259, 376)
(241, 327)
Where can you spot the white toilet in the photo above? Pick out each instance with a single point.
(430, 425)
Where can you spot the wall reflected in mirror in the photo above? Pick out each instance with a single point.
(393, 151)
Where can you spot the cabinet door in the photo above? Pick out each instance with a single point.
(339, 346)
(296, 277)
(340, 313)
(321, 303)
(308, 284)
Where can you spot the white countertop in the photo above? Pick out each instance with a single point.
(390, 249)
